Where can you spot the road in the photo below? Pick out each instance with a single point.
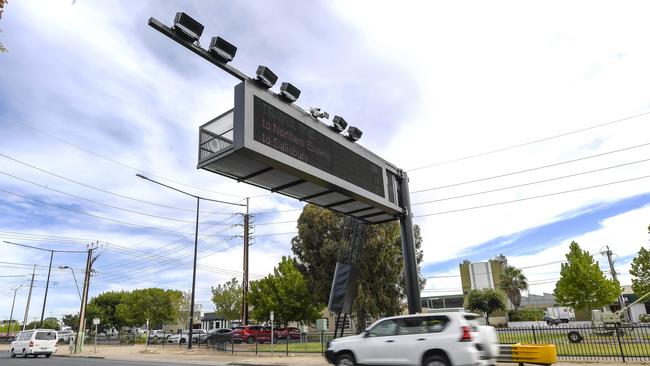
(5, 360)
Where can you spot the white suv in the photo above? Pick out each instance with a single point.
(34, 342)
(437, 339)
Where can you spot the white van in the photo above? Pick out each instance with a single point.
(34, 342)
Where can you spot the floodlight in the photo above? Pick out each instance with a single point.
(319, 113)
(338, 124)
(354, 134)
(222, 49)
(187, 26)
(266, 77)
(289, 92)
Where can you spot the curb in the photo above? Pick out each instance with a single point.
(74, 356)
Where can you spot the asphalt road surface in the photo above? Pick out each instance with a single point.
(5, 360)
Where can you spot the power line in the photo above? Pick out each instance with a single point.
(529, 183)
(530, 142)
(533, 197)
(87, 214)
(530, 169)
(93, 201)
(97, 188)
(138, 170)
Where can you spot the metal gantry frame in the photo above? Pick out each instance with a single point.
(405, 219)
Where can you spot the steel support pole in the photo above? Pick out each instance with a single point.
(47, 286)
(408, 248)
(196, 245)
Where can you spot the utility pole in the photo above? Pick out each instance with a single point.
(11, 317)
(47, 286)
(29, 298)
(84, 300)
(609, 253)
(244, 302)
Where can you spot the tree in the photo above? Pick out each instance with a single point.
(48, 323)
(486, 301)
(2, 5)
(227, 299)
(104, 307)
(71, 321)
(640, 271)
(153, 304)
(582, 284)
(284, 292)
(513, 281)
(381, 285)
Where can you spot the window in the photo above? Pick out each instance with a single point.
(422, 324)
(385, 328)
(45, 336)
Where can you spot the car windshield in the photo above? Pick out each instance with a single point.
(45, 336)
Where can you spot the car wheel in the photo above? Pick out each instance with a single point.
(435, 360)
(12, 353)
(47, 355)
(345, 359)
(250, 340)
(24, 353)
(182, 340)
(574, 337)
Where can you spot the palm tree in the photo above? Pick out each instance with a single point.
(512, 283)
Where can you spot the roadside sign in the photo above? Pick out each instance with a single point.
(272, 315)
(96, 321)
(269, 143)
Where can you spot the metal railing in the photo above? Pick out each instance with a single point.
(307, 343)
(616, 342)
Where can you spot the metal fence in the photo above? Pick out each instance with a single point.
(618, 343)
(307, 343)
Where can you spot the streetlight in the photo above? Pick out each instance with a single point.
(196, 242)
(11, 317)
(47, 285)
(75, 279)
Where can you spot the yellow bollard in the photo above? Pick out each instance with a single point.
(540, 354)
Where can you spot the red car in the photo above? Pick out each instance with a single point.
(289, 332)
(251, 334)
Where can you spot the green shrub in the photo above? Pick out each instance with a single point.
(644, 318)
(526, 315)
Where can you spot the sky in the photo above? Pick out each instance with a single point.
(522, 127)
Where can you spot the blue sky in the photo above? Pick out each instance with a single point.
(90, 95)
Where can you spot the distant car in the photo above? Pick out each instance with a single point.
(553, 321)
(441, 339)
(220, 335)
(159, 334)
(198, 335)
(64, 335)
(289, 332)
(34, 342)
(251, 334)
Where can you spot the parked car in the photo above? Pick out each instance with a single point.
(553, 321)
(158, 334)
(251, 334)
(288, 332)
(420, 339)
(219, 335)
(34, 342)
(198, 335)
(64, 335)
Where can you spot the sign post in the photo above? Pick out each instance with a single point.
(96, 323)
(272, 316)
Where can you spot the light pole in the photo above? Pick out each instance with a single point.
(196, 243)
(47, 285)
(11, 317)
(75, 279)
